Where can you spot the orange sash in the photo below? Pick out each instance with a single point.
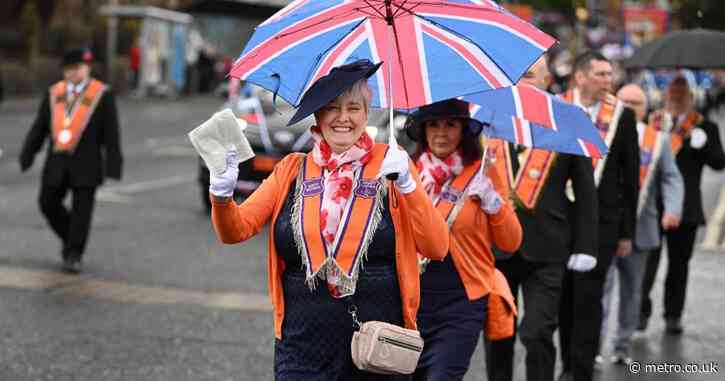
(454, 191)
(606, 122)
(357, 226)
(678, 133)
(68, 125)
(526, 185)
(650, 149)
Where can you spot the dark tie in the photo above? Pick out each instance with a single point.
(74, 96)
(513, 149)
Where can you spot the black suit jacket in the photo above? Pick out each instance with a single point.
(98, 154)
(619, 186)
(556, 227)
(691, 161)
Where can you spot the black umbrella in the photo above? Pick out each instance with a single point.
(692, 49)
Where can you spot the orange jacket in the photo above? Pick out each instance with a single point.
(501, 309)
(418, 229)
(474, 232)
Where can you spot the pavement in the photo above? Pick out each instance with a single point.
(162, 299)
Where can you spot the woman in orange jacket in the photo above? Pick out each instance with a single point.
(454, 292)
(337, 229)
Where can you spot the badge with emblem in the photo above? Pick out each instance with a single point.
(65, 136)
(312, 187)
(534, 173)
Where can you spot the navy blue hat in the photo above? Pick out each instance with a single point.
(76, 56)
(331, 86)
(447, 109)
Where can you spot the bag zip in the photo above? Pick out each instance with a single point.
(398, 343)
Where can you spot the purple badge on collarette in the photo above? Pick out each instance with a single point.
(366, 188)
(312, 187)
(603, 127)
(451, 195)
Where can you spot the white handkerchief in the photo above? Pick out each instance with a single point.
(215, 137)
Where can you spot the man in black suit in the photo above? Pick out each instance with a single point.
(78, 117)
(696, 143)
(554, 239)
(617, 179)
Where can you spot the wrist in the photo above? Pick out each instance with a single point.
(493, 204)
(221, 192)
(405, 182)
(220, 199)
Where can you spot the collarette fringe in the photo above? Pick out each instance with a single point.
(330, 267)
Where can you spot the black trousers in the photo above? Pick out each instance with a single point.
(541, 285)
(580, 317)
(71, 226)
(680, 243)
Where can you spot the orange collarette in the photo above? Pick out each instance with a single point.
(68, 125)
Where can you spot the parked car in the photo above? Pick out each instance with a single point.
(272, 139)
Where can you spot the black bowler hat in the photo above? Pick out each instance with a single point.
(76, 56)
(331, 86)
(447, 109)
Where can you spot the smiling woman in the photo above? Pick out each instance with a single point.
(455, 292)
(337, 229)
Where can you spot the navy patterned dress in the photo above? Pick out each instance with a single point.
(317, 329)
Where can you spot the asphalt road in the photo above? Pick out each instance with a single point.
(161, 299)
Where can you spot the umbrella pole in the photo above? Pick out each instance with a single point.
(484, 158)
(392, 141)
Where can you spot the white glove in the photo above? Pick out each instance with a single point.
(581, 262)
(223, 184)
(396, 161)
(482, 188)
(698, 138)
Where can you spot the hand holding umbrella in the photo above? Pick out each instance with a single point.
(396, 163)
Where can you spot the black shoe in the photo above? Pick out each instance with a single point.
(621, 358)
(67, 265)
(673, 326)
(72, 263)
(73, 266)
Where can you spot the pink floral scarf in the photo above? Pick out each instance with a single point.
(434, 172)
(340, 168)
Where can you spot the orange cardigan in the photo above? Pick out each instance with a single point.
(472, 235)
(418, 229)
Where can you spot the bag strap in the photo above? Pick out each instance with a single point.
(352, 310)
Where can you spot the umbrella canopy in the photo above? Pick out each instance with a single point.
(527, 116)
(694, 49)
(433, 49)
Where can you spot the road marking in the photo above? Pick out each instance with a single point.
(173, 146)
(123, 193)
(714, 226)
(58, 283)
(143, 186)
(174, 151)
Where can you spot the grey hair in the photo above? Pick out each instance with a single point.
(359, 90)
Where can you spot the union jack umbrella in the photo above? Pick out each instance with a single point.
(525, 115)
(432, 49)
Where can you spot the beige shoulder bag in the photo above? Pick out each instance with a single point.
(384, 348)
